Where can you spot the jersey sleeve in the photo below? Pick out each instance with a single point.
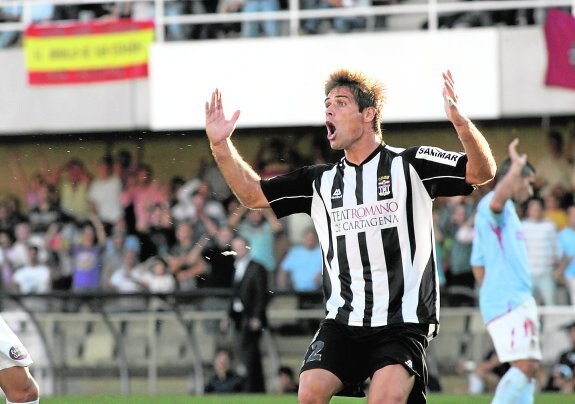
(292, 192)
(477, 259)
(442, 172)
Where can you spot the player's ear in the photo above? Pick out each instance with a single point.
(368, 114)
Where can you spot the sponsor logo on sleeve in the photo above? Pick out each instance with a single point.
(17, 352)
(438, 155)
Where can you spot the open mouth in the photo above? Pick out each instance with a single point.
(330, 130)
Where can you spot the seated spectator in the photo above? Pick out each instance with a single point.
(286, 382)
(116, 245)
(225, 379)
(301, 268)
(484, 376)
(33, 277)
(562, 378)
(129, 278)
(184, 259)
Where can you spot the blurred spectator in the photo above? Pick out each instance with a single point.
(9, 14)
(259, 227)
(562, 378)
(185, 260)
(286, 382)
(104, 194)
(195, 200)
(116, 245)
(543, 252)
(272, 159)
(567, 245)
(156, 233)
(203, 31)
(86, 256)
(140, 193)
(73, 190)
(554, 212)
(341, 24)
(125, 165)
(7, 220)
(29, 188)
(46, 212)
(129, 278)
(248, 311)
(301, 268)
(157, 277)
(231, 29)
(38, 13)
(554, 171)
(220, 260)
(6, 271)
(459, 273)
(251, 29)
(212, 176)
(484, 376)
(33, 277)
(18, 254)
(225, 379)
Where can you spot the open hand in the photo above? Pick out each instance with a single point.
(218, 128)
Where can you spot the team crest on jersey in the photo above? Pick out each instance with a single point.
(438, 155)
(17, 352)
(383, 185)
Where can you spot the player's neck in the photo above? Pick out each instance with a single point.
(362, 149)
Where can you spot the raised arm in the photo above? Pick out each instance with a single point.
(481, 165)
(507, 185)
(242, 179)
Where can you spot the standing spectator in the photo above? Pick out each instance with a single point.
(500, 263)
(225, 379)
(86, 256)
(543, 253)
(141, 193)
(73, 191)
(251, 29)
(459, 273)
(247, 310)
(567, 245)
(371, 260)
(220, 260)
(104, 194)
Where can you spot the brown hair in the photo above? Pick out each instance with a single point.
(368, 92)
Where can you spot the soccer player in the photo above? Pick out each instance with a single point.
(15, 379)
(373, 215)
(500, 264)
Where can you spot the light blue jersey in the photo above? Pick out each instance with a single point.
(499, 247)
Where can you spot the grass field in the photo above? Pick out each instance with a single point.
(270, 399)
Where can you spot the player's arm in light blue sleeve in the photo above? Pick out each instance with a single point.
(477, 259)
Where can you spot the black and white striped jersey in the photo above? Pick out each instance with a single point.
(375, 226)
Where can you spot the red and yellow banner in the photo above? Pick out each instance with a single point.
(87, 52)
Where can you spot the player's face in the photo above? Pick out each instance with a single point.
(524, 189)
(343, 120)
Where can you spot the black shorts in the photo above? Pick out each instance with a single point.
(354, 354)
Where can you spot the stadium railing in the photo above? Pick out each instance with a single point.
(293, 16)
(78, 339)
